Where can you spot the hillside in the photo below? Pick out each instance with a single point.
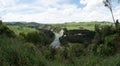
(80, 25)
(22, 44)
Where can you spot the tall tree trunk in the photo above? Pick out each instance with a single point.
(112, 15)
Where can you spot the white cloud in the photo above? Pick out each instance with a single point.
(6, 3)
(92, 4)
(52, 11)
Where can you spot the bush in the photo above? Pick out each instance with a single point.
(107, 30)
(102, 32)
(50, 53)
(68, 54)
(76, 50)
(37, 38)
(49, 35)
(5, 31)
(0, 22)
(64, 55)
(108, 48)
(104, 40)
(14, 52)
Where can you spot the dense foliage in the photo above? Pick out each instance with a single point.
(4, 30)
(15, 52)
(38, 38)
(32, 48)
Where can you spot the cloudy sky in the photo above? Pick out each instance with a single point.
(57, 11)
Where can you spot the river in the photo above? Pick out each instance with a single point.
(56, 42)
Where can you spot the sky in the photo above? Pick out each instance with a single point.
(57, 11)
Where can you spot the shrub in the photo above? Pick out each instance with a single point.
(107, 30)
(76, 50)
(37, 38)
(4, 30)
(49, 35)
(68, 54)
(14, 52)
(0, 22)
(108, 48)
(50, 53)
(63, 55)
(102, 32)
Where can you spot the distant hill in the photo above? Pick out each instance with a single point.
(69, 26)
(26, 24)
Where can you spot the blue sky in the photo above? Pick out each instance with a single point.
(57, 11)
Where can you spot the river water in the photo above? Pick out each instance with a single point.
(56, 42)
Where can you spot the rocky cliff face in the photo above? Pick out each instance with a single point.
(77, 36)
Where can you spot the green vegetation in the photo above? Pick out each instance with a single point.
(23, 46)
(80, 25)
(5, 31)
(15, 52)
(21, 29)
(38, 38)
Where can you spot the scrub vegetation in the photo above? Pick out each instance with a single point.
(25, 46)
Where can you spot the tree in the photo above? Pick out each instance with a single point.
(35, 37)
(5, 31)
(107, 3)
(0, 22)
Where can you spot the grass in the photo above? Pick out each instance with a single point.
(21, 29)
(80, 25)
(90, 60)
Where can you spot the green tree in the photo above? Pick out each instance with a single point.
(5, 31)
(15, 52)
(38, 38)
(0, 22)
(108, 47)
